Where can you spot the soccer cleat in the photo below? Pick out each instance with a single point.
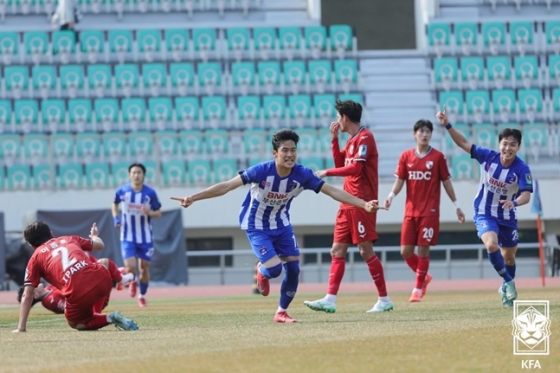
(121, 322)
(321, 305)
(381, 307)
(263, 285)
(511, 292)
(283, 317)
(505, 302)
(427, 280)
(132, 288)
(415, 297)
(142, 302)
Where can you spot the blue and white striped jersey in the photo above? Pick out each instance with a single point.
(499, 183)
(135, 225)
(267, 206)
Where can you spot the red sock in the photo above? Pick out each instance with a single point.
(336, 274)
(412, 262)
(114, 271)
(423, 265)
(97, 322)
(100, 305)
(376, 271)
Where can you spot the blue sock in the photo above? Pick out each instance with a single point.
(511, 270)
(271, 272)
(497, 261)
(289, 285)
(143, 288)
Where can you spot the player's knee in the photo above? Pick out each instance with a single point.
(339, 250)
(275, 271)
(72, 324)
(492, 246)
(292, 269)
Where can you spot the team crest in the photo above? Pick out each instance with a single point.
(429, 165)
(528, 179)
(362, 150)
(294, 185)
(351, 149)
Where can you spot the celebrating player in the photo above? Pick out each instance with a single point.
(505, 184)
(139, 205)
(423, 169)
(84, 283)
(357, 162)
(265, 213)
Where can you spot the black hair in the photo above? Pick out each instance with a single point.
(352, 109)
(284, 135)
(423, 123)
(511, 132)
(20, 295)
(140, 165)
(37, 233)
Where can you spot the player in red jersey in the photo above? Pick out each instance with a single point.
(357, 163)
(423, 169)
(85, 283)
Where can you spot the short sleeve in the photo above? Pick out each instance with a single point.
(155, 205)
(32, 273)
(85, 243)
(365, 145)
(311, 180)
(525, 180)
(117, 199)
(400, 172)
(253, 174)
(443, 169)
(480, 153)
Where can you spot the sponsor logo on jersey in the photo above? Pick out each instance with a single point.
(419, 175)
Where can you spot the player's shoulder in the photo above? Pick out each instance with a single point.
(365, 133)
(520, 164)
(148, 189)
(436, 153)
(124, 188)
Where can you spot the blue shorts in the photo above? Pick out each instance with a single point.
(507, 234)
(268, 244)
(142, 251)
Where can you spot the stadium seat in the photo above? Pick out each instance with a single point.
(341, 39)
(10, 148)
(346, 74)
(72, 80)
(161, 112)
(79, 114)
(289, 39)
(555, 105)
(141, 144)
(485, 134)
(192, 143)
(521, 34)
(199, 171)
(499, 71)
(182, 77)
(120, 44)
(254, 141)
(9, 47)
(320, 72)
(204, 42)
(462, 167)
(64, 45)
(26, 114)
(99, 79)
(356, 97)
(36, 148)
(167, 143)
(154, 76)
(472, 71)
(209, 76)
(325, 140)
(249, 112)
(445, 72)
(36, 45)
(19, 177)
(553, 76)
(269, 76)
(466, 37)
(453, 102)
(294, 75)
(478, 105)
(187, 109)
(274, 109)
(5, 116)
(314, 163)
(133, 113)
(224, 169)
(307, 141)
(536, 140)
(43, 176)
(88, 146)
(243, 77)
(97, 175)
(174, 173)
(238, 41)
(62, 147)
(177, 43)
(324, 107)
(92, 44)
(552, 30)
(215, 110)
(53, 113)
(300, 109)
(449, 146)
(504, 103)
(439, 36)
(127, 78)
(531, 104)
(119, 173)
(70, 175)
(16, 80)
(107, 114)
(527, 71)
(115, 145)
(265, 41)
(151, 171)
(315, 40)
(494, 36)
(217, 143)
(44, 80)
(149, 43)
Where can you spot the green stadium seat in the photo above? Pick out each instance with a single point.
(472, 71)
(531, 104)
(9, 46)
(224, 169)
(466, 36)
(107, 113)
(453, 102)
(199, 171)
(504, 103)
(294, 75)
(300, 109)
(254, 141)
(238, 39)
(26, 114)
(10, 147)
(553, 70)
(16, 80)
(325, 138)
(99, 79)
(274, 108)
(182, 77)
(248, 111)
(64, 44)
(187, 109)
(151, 171)
(119, 173)
(522, 34)
(120, 43)
(62, 146)
(555, 105)
(462, 167)
(70, 175)
(53, 113)
(243, 76)
(214, 109)
(536, 139)
(174, 173)
(269, 76)
(289, 39)
(133, 113)
(79, 114)
(5, 116)
(217, 142)
(97, 175)
(494, 36)
(36, 45)
(177, 43)
(450, 147)
(446, 72)
(71, 79)
(324, 107)
(161, 112)
(141, 144)
(36, 147)
(44, 80)
(192, 142)
(154, 76)
(315, 39)
(88, 145)
(314, 163)
(341, 39)
(478, 104)
(307, 141)
(115, 145)
(356, 97)
(167, 143)
(552, 31)
(346, 73)
(204, 41)
(527, 71)
(209, 76)
(499, 70)
(485, 134)
(127, 78)
(439, 36)
(92, 44)
(265, 41)
(19, 177)
(43, 176)
(320, 72)
(149, 43)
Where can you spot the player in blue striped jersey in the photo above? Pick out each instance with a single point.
(140, 205)
(265, 213)
(505, 184)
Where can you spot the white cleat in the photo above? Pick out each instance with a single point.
(381, 306)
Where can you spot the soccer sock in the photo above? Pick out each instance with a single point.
(100, 305)
(289, 285)
(338, 265)
(412, 262)
(511, 270)
(376, 271)
(143, 289)
(97, 322)
(497, 261)
(421, 271)
(114, 271)
(271, 272)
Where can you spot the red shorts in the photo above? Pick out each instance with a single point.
(81, 310)
(420, 231)
(353, 226)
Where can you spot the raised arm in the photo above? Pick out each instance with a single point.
(214, 191)
(456, 136)
(96, 241)
(345, 197)
(338, 157)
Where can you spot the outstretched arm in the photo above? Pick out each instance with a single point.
(96, 241)
(345, 197)
(26, 301)
(215, 190)
(456, 136)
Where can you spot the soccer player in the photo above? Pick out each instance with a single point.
(423, 169)
(505, 184)
(140, 205)
(357, 163)
(84, 283)
(265, 213)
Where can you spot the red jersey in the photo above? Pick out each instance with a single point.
(63, 263)
(54, 300)
(423, 175)
(360, 148)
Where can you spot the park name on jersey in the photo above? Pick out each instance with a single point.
(69, 266)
